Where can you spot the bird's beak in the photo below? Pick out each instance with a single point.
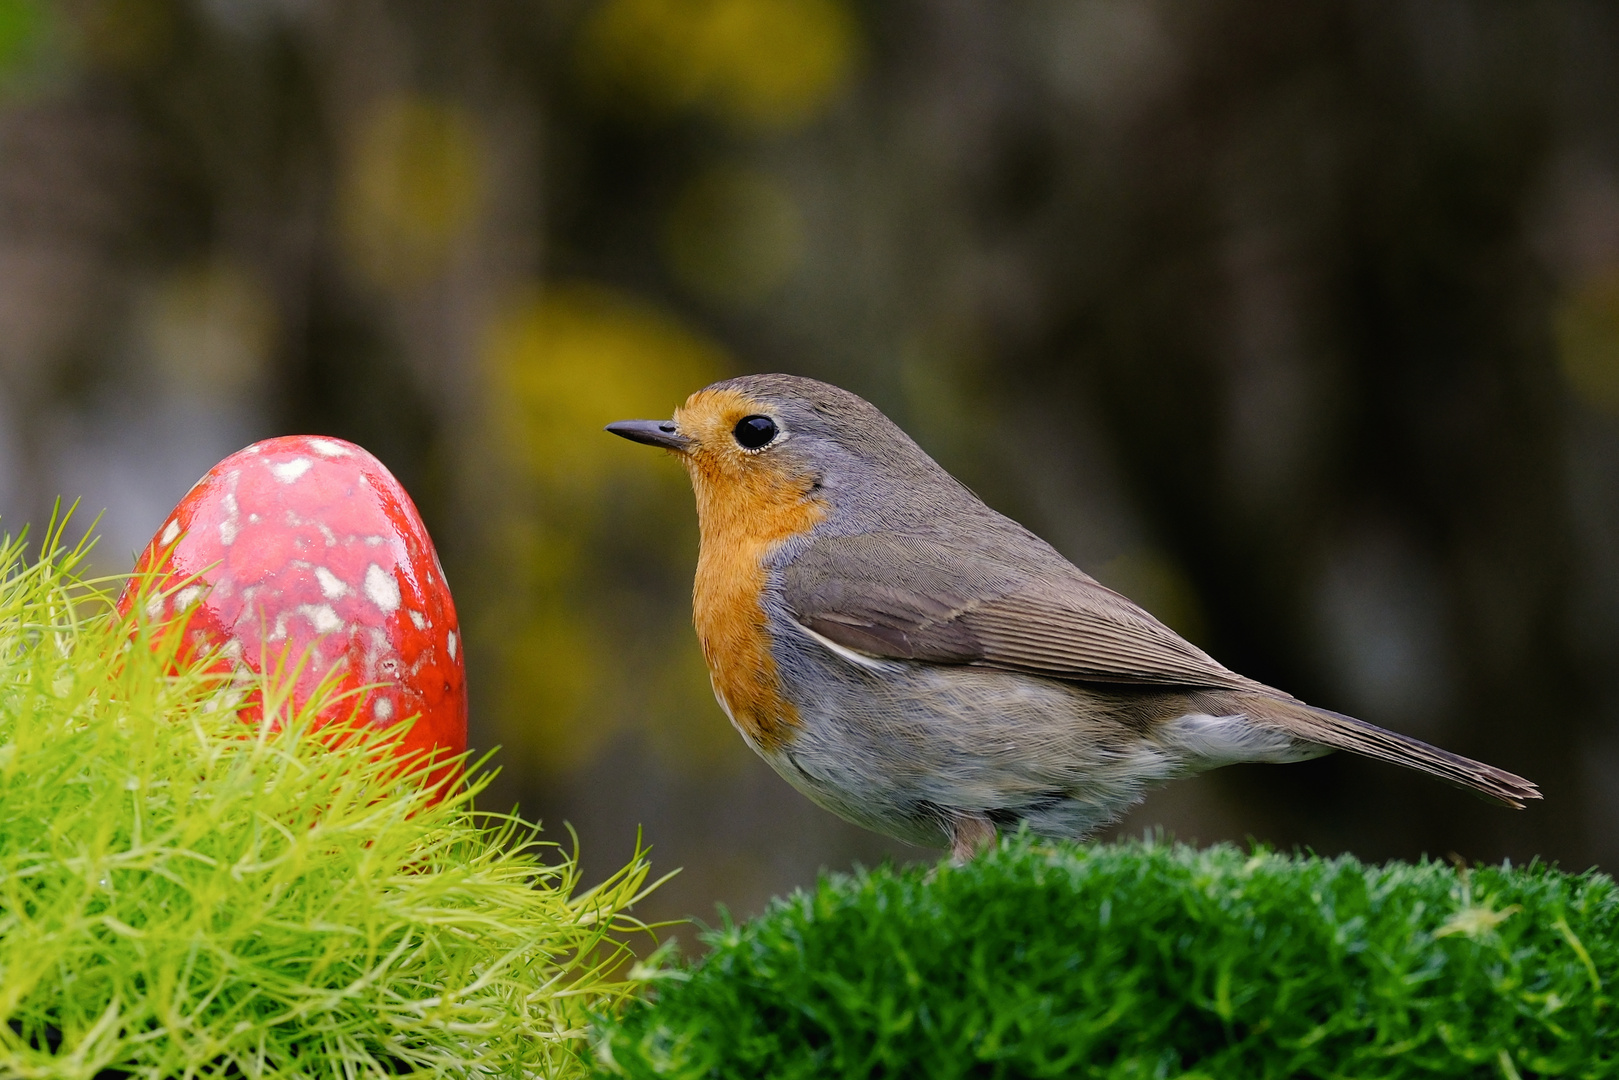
(662, 433)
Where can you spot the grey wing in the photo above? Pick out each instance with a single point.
(909, 597)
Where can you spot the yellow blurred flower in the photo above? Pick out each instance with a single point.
(22, 24)
(569, 359)
(412, 186)
(592, 548)
(36, 48)
(1587, 327)
(734, 234)
(766, 64)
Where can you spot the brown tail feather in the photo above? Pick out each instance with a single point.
(1357, 736)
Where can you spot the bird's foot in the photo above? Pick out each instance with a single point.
(970, 835)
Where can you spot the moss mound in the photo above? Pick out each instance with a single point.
(1149, 960)
(182, 894)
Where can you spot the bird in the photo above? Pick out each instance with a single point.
(924, 666)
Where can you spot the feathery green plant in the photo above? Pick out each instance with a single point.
(182, 894)
(1149, 960)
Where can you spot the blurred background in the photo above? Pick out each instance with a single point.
(1297, 323)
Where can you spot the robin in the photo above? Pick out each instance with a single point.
(928, 668)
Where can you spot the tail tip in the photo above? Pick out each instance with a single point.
(1517, 793)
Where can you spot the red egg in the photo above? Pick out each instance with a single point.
(308, 545)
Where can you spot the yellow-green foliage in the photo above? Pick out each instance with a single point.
(182, 894)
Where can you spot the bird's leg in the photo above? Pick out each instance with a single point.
(970, 834)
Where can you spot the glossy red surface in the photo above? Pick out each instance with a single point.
(307, 543)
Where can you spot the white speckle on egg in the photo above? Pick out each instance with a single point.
(154, 606)
(417, 619)
(326, 533)
(449, 642)
(232, 650)
(230, 526)
(280, 631)
(382, 709)
(170, 531)
(326, 448)
(375, 541)
(381, 589)
(321, 617)
(288, 471)
(331, 586)
(186, 597)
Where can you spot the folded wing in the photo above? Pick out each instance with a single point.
(910, 597)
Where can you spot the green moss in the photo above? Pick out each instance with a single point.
(182, 894)
(1149, 960)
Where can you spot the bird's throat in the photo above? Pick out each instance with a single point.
(741, 521)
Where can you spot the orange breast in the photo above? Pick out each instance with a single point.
(743, 515)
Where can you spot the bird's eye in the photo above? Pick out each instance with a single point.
(754, 431)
